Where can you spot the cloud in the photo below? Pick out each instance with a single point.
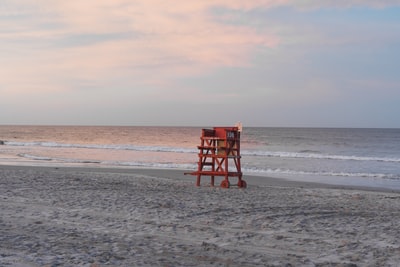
(88, 39)
(169, 32)
(317, 4)
(85, 40)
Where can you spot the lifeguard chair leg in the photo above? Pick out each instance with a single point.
(198, 180)
(242, 184)
(225, 183)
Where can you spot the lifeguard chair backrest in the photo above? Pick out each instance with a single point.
(229, 138)
(227, 133)
(208, 133)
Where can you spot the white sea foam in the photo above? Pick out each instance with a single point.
(65, 160)
(104, 146)
(111, 163)
(193, 166)
(282, 154)
(270, 171)
(29, 156)
(256, 153)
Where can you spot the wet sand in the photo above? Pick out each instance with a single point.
(137, 217)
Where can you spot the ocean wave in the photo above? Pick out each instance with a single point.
(63, 160)
(278, 171)
(315, 155)
(67, 161)
(29, 156)
(304, 154)
(104, 146)
(193, 166)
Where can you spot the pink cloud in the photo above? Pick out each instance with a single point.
(170, 38)
(315, 4)
(63, 56)
(181, 30)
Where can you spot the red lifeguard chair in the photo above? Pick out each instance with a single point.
(219, 155)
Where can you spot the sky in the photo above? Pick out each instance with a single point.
(273, 63)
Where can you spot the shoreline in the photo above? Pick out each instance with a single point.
(95, 217)
(178, 174)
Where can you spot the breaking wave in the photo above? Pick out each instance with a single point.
(193, 166)
(305, 154)
(314, 155)
(105, 146)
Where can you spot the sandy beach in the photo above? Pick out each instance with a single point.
(113, 217)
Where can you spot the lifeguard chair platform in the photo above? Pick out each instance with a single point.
(219, 155)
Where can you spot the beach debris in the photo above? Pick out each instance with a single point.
(2, 142)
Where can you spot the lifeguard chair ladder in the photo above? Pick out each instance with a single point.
(219, 155)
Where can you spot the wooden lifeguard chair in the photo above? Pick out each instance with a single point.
(219, 155)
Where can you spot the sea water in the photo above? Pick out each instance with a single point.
(365, 157)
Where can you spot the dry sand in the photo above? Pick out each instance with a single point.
(105, 217)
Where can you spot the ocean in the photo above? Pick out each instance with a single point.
(361, 157)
